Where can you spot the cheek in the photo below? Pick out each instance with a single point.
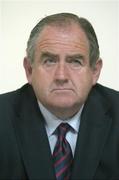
(83, 81)
(40, 82)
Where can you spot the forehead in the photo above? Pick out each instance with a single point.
(70, 37)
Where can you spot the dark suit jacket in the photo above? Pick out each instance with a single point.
(24, 147)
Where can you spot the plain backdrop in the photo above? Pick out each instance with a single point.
(17, 18)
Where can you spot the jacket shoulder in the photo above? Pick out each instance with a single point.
(106, 91)
(109, 95)
(10, 98)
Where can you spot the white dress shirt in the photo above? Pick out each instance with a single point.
(52, 122)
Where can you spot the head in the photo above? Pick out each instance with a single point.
(62, 62)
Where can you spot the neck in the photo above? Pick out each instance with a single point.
(61, 113)
(64, 113)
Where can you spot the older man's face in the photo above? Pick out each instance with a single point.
(61, 74)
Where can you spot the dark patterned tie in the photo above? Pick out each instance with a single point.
(62, 154)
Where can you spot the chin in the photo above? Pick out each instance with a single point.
(64, 110)
(63, 104)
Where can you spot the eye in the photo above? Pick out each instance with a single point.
(75, 62)
(49, 61)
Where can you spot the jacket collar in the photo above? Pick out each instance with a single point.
(31, 136)
(94, 130)
(33, 142)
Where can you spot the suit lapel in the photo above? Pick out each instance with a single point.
(32, 138)
(94, 129)
(33, 142)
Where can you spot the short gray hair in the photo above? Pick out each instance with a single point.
(62, 20)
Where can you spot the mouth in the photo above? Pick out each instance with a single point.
(61, 89)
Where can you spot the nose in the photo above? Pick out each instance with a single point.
(61, 72)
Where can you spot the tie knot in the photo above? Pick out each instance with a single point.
(63, 128)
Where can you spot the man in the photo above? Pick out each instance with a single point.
(62, 66)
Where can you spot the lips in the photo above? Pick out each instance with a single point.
(62, 89)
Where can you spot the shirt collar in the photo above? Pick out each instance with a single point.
(52, 122)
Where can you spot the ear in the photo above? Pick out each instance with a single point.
(28, 69)
(96, 71)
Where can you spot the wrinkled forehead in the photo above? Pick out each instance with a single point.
(68, 33)
(63, 40)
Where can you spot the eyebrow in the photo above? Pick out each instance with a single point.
(78, 56)
(49, 54)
